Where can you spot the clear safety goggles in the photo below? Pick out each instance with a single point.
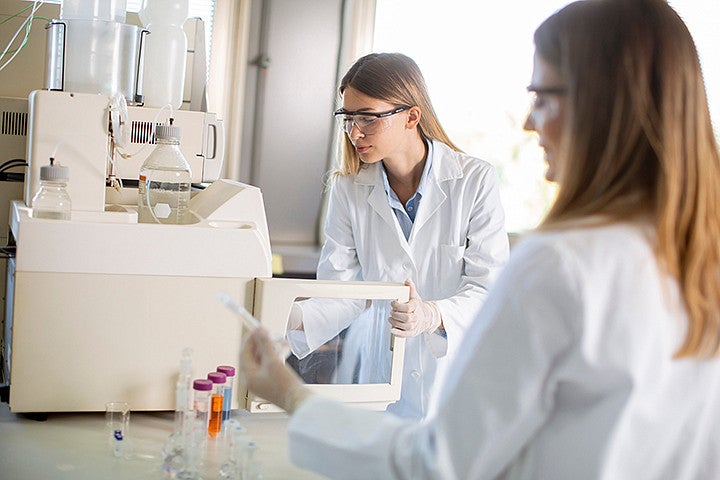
(369, 123)
(545, 102)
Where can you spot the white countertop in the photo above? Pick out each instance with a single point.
(74, 446)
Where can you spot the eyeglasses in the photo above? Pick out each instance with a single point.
(369, 123)
(545, 100)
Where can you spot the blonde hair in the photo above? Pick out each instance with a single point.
(639, 141)
(396, 79)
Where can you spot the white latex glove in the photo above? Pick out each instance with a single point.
(415, 316)
(267, 376)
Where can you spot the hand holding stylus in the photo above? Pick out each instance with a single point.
(262, 362)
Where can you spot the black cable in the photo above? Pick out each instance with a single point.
(15, 162)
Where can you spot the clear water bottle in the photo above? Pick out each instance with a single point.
(52, 201)
(164, 184)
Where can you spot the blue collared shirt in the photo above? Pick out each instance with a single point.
(406, 213)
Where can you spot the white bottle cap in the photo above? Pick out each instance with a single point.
(54, 173)
(168, 132)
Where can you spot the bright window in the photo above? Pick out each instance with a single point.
(477, 61)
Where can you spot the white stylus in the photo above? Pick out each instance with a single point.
(250, 322)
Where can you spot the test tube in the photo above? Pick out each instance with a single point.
(201, 400)
(228, 390)
(216, 403)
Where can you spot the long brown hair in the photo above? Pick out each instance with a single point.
(639, 141)
(394, 78)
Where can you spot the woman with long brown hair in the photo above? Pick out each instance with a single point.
(405, 204)
(600, 360)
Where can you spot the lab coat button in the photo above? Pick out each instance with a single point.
(406, 266)
(415, 375)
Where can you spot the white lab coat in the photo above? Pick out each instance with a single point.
(457, 246)
(573, 378)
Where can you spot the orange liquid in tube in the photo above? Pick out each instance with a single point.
(216, 411)
(216, 403)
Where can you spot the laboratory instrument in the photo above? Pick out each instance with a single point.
(138, 303)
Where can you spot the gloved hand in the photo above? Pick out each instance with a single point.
(415, 316)
(267, 376)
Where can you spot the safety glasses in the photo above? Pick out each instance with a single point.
(369, 123)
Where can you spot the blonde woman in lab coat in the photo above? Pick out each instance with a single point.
(405, 204)
(601, 358)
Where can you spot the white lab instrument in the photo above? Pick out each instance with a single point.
(99, 306)
(99, 313)
(75, 128)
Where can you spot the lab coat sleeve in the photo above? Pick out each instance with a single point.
(324, 319)
(338, 257)
(497, 395)
(485, 254)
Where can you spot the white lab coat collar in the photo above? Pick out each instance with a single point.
(423, 179)
(445, 166)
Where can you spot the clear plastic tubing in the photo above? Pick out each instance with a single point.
(216, 403)
(228, 390)
(202, 389)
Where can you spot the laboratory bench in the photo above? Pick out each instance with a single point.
(74, 446)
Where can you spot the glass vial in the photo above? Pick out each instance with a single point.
(228, 390)
(52, 201)
(236, 440)
(176, 448)
(216, 403)
(164, 183)
(201, 404)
